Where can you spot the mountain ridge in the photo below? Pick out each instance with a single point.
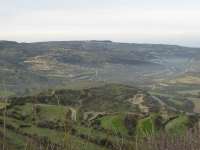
(43, 64)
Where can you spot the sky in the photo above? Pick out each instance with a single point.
(137, 21)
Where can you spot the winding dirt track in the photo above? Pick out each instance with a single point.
(73, 113)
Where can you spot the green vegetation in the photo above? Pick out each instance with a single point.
(178, 125)
(149, 125)
(105, 115)
(51, 112)
(115, 123)
(175, 101)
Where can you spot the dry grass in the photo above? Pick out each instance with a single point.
(189, 141)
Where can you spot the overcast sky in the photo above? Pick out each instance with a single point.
(142, 21)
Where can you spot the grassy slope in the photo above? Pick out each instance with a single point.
(48, 112)
(174, 100)
(21, 118)
(178, 125)
(114, 123)
(51, 112)
(146, 126)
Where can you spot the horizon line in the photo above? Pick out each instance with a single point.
(108, 41)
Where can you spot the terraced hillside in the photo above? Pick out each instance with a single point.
(93, 118)
(35, 66)
(182, 87)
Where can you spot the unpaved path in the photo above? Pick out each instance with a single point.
(138, 99)
(73, 114)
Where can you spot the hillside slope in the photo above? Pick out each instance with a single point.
(48, 64)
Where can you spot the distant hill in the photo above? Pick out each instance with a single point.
(32, 66)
